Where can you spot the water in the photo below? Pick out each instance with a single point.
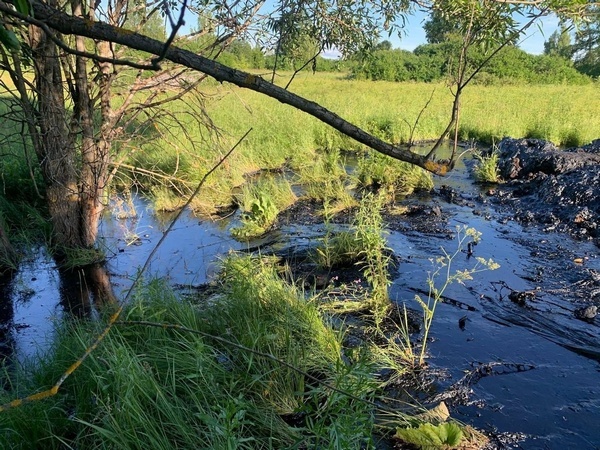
(534, 370)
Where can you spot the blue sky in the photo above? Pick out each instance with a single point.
(414, 35)
(532, 42)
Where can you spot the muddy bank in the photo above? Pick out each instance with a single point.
(558, 189)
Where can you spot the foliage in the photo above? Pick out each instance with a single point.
(486, 170)
(339, 249)
(432, 437)
(586, 48)
(559, 43)
(431, 62)
(365, 246)
(438, 27)
(207, 375)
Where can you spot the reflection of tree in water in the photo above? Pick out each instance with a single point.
(7, 314)
(82, 289)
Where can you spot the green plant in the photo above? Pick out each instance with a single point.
(443, 268)
(395, 176)
(571, 138)
(486, 170)
(325, 179)
(257, 220)
(369, 230)
(261, 203)
(432, 437)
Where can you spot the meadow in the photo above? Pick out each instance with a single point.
(566, 115)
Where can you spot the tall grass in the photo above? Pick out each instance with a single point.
(158, 387)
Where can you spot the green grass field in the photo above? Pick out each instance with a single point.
(565, 115)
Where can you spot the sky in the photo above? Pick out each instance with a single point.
(414, 35)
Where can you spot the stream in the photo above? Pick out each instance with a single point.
(526, 372)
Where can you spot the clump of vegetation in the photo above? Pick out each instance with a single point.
(325, 180)
(230, 372)
(397, 177)
(363, 245)
(429, 62)
(261, 203)
(486, 170)
(571, 138)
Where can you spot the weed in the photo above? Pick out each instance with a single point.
(486, 170)
(363, 245)
(443, 269)
(369, 230)
(571, 138)
(429, 436)
(325, 180)
(396, 177)
(261, 203)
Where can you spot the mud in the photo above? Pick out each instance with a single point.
(514, 352)
(558, 189)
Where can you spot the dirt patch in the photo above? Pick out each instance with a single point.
(557, 189)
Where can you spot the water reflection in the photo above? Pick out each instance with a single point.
(7, 313)
(85, 289)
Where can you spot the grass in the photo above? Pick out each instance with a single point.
(486, 170)
(175, 161)
(325, 179)
(363, 245)
(215, 380)
(395, 177)
(282, 135)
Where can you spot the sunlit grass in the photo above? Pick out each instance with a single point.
(215, 382)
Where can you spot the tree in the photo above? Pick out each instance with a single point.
(69, 112)
(74, 146)
(586, 49)
(438, 27)
(559, 44)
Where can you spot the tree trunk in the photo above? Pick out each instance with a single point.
(55, 149)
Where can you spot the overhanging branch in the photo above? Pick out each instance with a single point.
(70, 25)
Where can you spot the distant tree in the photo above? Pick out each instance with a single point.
(383, 45)
(586, 49)
(559, 44)
(438, 27)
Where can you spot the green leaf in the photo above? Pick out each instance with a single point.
(21, 6)
(455, 434)
(428, 436)
(9, 39)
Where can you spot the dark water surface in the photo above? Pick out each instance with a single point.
(527, 371)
